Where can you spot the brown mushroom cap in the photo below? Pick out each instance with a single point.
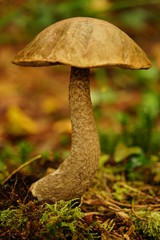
(84, 43)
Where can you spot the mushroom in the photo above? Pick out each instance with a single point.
(81, 43)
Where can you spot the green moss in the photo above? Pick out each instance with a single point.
(62, 220)
(14, 219)
(120, 193)
(150, 226)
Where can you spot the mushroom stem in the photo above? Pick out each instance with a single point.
(74, 176)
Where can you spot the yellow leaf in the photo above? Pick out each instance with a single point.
(49, 105)
(20, 123)
(63, 126)
(103, 159)
(122, 152)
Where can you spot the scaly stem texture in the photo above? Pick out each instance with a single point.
(74, 176)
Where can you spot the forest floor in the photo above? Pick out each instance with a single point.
(123, 201)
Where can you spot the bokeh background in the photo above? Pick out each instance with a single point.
(34, 112)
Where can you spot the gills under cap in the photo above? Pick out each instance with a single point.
(84, 43)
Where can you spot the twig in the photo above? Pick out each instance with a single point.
(93, 213)
(13, 190)
(135, 190)
(109, 202)
(143, 219)
(130, 205)
(20, 168)
(4, 234)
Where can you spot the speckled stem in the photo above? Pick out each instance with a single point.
(74, 176)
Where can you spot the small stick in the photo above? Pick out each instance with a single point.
(130, 205)
(93, 213)
(20, 168)
(111, 201)
(136, 190)
(141, 218)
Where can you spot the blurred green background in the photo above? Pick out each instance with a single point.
(34, 102)
(21, 20)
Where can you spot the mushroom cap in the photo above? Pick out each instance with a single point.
(83, 42)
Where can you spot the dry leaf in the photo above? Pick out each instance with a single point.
(122, 152)
(19, 123)
(62, 126)
(49, 105)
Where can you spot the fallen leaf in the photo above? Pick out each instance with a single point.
(103, 159)
(122, 152)
(19, 123)
(49, 105)
(62, 126)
